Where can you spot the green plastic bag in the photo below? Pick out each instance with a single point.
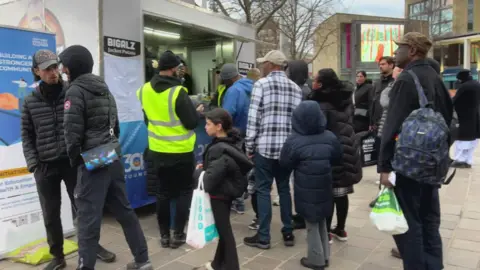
(387, 215)
(38, 252)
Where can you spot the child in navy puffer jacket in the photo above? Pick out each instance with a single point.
(310, 152)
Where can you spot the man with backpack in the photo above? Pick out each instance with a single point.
(415, 142)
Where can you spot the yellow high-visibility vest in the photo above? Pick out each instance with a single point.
(221, 91)
(166, 134)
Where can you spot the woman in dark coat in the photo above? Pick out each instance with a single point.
(466, 103)
(363, 99)
(335, 99)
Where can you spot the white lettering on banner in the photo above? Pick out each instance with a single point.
(15, 62)
(133, 162)
(40, 42)
(120, 51)
(122, 44)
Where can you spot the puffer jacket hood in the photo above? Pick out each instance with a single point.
(91, 83)
(78, 60)
(308, 119)
(339, 98)
(298, 71)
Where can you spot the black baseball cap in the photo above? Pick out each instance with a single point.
(43, 59)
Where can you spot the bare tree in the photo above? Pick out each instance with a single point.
(255, 12)
(299, 23)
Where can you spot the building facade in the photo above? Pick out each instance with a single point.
(348, 43)
(446, 17)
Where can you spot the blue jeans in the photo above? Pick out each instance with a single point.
(265, 171)
(239, 203)
(421, 246)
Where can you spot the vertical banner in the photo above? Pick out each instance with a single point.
(122, 59)
(21, 220)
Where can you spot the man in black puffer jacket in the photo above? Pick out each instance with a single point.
(45, 152)
(91, 120)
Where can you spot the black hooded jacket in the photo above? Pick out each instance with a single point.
(467, 102)
(90, 108)
(311, 151)
(42, 125)
(226, 167)
(338, 109)
(298, 72)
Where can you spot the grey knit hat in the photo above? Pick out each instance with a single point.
(229, 71)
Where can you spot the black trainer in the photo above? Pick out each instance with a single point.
(305, 263)
(255, 241)
(165, 241)
(105, 255)
(178, 240)
(289, 239)
(56, 264)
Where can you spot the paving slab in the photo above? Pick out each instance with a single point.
(366, 249)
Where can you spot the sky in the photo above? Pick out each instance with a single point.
(384, 8)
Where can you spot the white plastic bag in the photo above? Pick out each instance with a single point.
(201, 225)
(387, 215)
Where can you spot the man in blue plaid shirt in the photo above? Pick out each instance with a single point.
(273, 100)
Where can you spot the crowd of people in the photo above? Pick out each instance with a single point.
(274, 125)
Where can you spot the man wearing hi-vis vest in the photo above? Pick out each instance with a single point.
(171, 119)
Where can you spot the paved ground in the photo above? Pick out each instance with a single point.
(366, 248)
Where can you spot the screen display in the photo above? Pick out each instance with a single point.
(377, 40)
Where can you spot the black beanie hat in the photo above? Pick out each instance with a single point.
(168, 60)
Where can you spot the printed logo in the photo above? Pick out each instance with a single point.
(67, 105)
(40, 42)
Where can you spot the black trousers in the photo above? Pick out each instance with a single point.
(254, 204)
(421, 245)
(105, 187)
(48, 177)
(175, 182)
(226, 257)
(341, 203)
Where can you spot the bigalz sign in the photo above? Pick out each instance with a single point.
(121, 47)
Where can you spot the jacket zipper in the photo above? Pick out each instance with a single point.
(55, 124)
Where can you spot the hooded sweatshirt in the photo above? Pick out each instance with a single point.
(298, 72)
(237, 103)
(90, 109)
(310, 151)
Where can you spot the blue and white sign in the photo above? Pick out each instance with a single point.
(21, 219)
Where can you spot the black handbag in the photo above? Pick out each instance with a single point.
(105, 154)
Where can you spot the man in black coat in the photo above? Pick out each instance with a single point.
(421, 246)
(91, 121)
(386, 66)
(45, 152)
(466, 102)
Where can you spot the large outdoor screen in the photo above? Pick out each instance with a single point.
(377, 40)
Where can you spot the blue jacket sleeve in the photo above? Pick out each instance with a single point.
(230, 101)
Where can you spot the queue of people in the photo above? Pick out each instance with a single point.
(264, 129)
